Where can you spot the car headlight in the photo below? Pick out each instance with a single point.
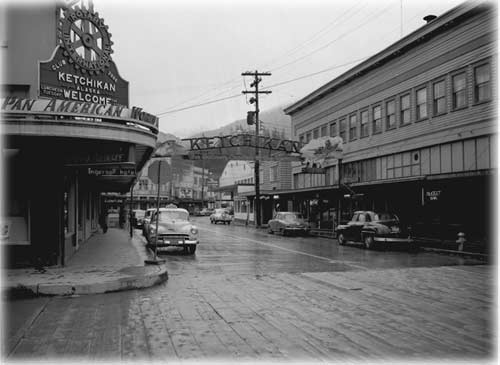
(194, 230)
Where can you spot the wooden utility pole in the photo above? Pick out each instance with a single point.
(255, 100)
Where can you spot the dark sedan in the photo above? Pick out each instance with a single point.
(288, 222)
(373, 228)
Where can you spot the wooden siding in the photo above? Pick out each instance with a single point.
(458, 49)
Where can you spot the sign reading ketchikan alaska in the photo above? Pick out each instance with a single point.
(81, 68)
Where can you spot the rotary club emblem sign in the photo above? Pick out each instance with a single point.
(81, 68)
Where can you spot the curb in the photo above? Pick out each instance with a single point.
(152, 276)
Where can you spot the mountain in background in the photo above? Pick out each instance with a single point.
(273, 122)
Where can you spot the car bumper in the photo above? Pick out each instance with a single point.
(394, 240)
(164, 242)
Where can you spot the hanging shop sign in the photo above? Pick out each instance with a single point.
(81, 68)
(313, 170)
(55, 106)
(111, 171)
(432, 195)
(320, 150)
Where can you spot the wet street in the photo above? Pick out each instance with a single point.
(250, 295)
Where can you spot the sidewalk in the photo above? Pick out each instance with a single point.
(105, 263)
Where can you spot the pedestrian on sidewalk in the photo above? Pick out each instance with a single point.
(103, 220)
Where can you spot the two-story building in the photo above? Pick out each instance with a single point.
(68, 131)
(418, 122)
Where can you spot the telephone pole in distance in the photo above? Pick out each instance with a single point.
(256, 74)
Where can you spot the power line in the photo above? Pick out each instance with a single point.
(370, 19)
(198, 105)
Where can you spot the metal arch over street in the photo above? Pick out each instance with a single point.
(231, 147)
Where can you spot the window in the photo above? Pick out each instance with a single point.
(459, 92)
(308, 137)
(482, 83)
(422, 103)
(323, 130)
(439, 97)
(390, 108)
(353, 127)
(316, 133)
(364, 123)
(377, 119)
(301, 139)
(342, 129)
(274, 173)
(405, 109)
(333, 129)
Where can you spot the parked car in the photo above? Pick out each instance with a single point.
(373, 228)
(206, 212)
(138, 218)
(287, 223)
(174, 229)
(220, 215)
(147, 219)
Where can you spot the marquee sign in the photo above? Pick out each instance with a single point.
(81, 68)
(15, 104)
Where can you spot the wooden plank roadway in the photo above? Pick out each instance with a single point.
(443, 313)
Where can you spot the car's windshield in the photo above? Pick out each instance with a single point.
(385, 217)
(171, 215)
(220, 211)
(139, 213)
(290, 217)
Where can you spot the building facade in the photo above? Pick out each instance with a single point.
(187, 187)
(68, 132)
(418, 122)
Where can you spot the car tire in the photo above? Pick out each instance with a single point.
(191, 249)
(270, 230)
(341, 239)
(369, 243)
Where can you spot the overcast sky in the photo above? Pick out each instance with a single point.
(179, 54)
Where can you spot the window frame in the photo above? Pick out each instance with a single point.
(465, 90)
(367, 124)
(315, 133)
(434, 110)
(355, 127)
(324, 128)
(475, 66)
(387, 126)
(418, 117)
(345, 130)
(401, 110)
(333, 123)
(374, 130)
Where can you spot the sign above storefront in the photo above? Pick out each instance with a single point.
(111, 171)
(81, 68)
(14, 104)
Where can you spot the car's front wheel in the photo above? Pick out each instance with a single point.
(191, 249)
(270, 230)
(341, 239)
(369, 243)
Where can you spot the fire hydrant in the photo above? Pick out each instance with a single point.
(461, 241)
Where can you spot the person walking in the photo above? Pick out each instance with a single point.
(103, 220)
